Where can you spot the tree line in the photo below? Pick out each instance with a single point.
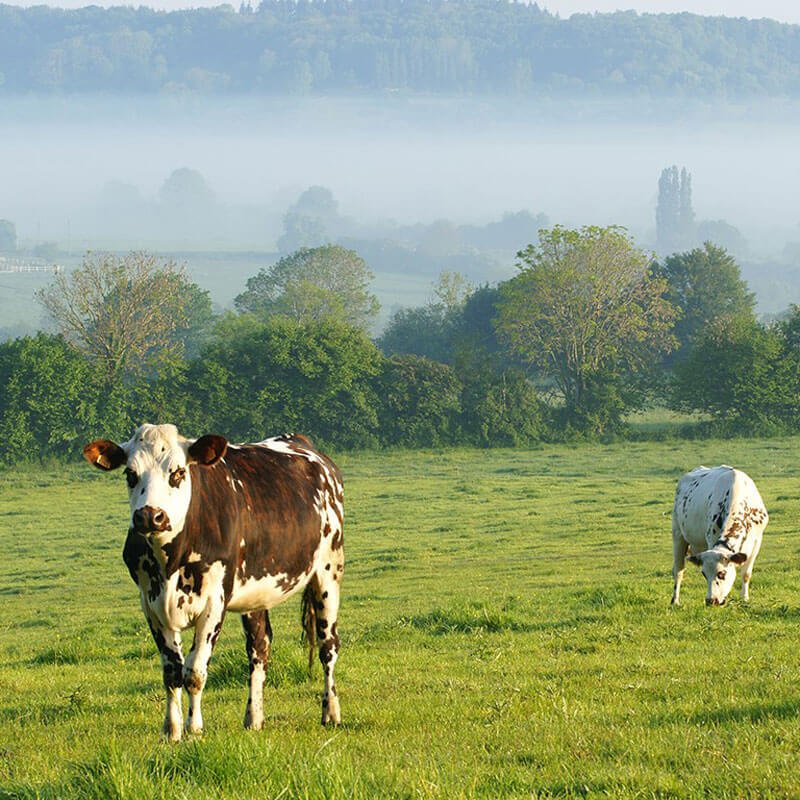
(590, 329)
(474, 46)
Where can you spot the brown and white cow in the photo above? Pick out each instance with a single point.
(720, 515)
(217, 527)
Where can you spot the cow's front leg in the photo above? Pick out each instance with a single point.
(169, 648)
(195, 671)
(679, 549)
(258, 635)
(747, 571)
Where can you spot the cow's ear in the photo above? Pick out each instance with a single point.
(738, 558)
(696, 560)
(104, 454)
(207, 450)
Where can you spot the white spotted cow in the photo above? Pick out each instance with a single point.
(720, 515)
(217, 527)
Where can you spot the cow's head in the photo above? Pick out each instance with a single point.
(156, 460)
(718, 565)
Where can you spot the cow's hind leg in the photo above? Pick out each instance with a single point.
(325, 590)
(169, 648)
(258, 637)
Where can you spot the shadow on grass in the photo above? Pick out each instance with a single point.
(470, 619)
(753, 714)
(518, 787)
(67, 653)
(72, 706)
(783, 612)
(616, 595)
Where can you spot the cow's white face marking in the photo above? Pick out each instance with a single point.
(720, 574)
(157, 473)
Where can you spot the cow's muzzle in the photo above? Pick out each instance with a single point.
(150, 520)
(713, 601)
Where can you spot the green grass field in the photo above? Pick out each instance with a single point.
(506, 632)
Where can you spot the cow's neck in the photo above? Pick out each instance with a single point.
(167, 548)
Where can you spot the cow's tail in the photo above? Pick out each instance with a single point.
(309, 618)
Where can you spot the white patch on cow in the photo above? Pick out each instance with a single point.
(242, 542)
(192, 557)
(719, 515)
(295, 449)
(254, 716)
(264, 593)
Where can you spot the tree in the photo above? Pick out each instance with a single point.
(674, 213)
(706, 285)
(8, 236)
(128, 314)
(426, 331)
(312, 285)
(420, 402)
(744, 375)
(586, 309)
(279, 374)
(186, 189)
(47, 398)
(723, 234)
(187, 207)
(430, 331)
(310, 221)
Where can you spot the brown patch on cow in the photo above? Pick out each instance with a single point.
(177, 477)
(258, 635)
(193, 682)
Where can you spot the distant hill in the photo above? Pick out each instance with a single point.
(407, 46)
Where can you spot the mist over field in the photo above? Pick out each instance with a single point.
(82, 171)
(86, 173)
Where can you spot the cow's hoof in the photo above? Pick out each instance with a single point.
(172, 733)
(252, 724)
(331, 715)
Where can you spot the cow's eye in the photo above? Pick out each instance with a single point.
(176, 476)
(131, 477)
(721, 576)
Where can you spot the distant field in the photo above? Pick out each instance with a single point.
(506, 633)
(224, 275)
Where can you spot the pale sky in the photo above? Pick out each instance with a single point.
(783, 10)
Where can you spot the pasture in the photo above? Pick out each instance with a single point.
(506, 632)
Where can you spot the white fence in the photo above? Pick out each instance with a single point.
(9, 265)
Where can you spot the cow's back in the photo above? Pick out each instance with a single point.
(264, 512)
(701, 495)
(718, 503)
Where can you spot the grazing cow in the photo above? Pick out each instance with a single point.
(217, 527)
(720, 515)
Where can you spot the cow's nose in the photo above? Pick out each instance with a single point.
(150, 520)
(712, 601)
